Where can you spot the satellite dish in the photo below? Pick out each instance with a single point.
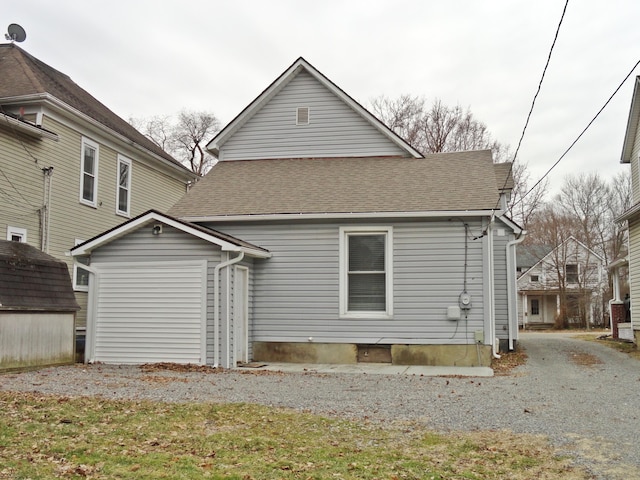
(15, 33)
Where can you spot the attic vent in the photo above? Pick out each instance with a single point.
(302, 116)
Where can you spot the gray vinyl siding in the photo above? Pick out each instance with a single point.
(500, 282)
(172, 245)
(295, 293)
(334, 129)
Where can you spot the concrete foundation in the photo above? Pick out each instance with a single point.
(347, 353)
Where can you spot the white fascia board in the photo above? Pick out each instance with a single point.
(92, 124)
(338, 216)
(87, 247)
(27, 128)
(632, 124)
(301, 64)
(629, 214)
(214, 145)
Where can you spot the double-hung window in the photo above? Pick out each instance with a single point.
(123, 189)
(366, 277)
(89, 173)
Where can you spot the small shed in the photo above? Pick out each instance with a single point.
(37, 309)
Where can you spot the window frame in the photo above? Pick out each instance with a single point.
(76, 286)
(345, 233)
(89, 143)
(126, 161)
(535, 306)
(573, 277)
(18, 232)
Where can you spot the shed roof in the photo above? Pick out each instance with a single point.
(25, 75)
(33, 280)
(461, 181)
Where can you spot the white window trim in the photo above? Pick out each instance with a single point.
(344, 270)
(76, 287)
(94, 145)
(126, 161)
(20, 232)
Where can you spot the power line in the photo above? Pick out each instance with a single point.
(581, 133)
(533, 102)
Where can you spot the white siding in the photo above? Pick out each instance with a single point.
(295, 293)
(334, 129)
(150, 312)
(172, 244)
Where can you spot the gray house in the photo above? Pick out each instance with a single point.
(354, 247)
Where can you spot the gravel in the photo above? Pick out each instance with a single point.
(582, 395)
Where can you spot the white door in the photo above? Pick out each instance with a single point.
(150, 312)
(241, 316)
(535, 309)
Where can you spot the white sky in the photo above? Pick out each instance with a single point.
(152, 57)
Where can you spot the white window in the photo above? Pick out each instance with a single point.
(89, 173)
(571, 273)
(80, 275)
(123, 188)
(16, 234)
(366, 277)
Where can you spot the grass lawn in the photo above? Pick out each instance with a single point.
(44, 437)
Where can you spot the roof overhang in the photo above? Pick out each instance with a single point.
(153, 216)
(339, 216)
(299, 65)
(632, 124)
(85, 120)
(629, 214)
(26, 128)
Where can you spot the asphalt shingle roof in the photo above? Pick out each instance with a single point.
(33, 280)
(23, 74)
(439, 182)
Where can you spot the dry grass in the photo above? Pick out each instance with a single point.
(56, 437)
(623, 346)
(509, 361)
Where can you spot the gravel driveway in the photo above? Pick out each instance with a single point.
(583, 395)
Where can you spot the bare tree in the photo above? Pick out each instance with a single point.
(183, 137)
(435, 128)
(440, 128)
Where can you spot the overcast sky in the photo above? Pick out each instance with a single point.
(146, 58)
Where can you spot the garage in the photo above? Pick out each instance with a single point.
(151, 312)
(165, 290)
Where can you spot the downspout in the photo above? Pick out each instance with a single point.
(216, 307)
(46, 207)
(492, 298)
(512, 306)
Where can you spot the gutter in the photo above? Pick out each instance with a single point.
(512, 302)
(216, 307)
(492, 292)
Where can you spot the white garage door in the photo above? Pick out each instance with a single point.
(148, 313)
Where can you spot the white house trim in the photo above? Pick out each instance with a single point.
(301, 64)
(151, 216)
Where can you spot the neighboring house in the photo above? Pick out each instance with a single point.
(354, 247)
(560, 286)
(631, 155)
(69, 167)
(37, 308)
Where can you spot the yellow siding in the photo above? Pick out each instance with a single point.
(69, 219)
(635, 169)
(21, 183)
(634, 270)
